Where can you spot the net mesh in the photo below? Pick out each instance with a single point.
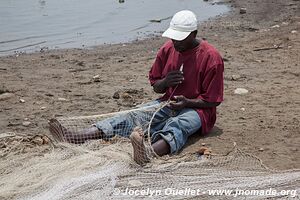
(137, 124)
(37, 167)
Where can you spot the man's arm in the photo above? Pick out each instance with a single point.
(160, 86)
(173, 78)
(182, 102)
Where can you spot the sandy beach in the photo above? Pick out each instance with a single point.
(261, 53)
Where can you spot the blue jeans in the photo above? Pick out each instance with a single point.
(173, 126)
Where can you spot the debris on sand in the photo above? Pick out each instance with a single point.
(243, 10)
(81, 63)
(203, 151)
(240, 91)
(268, 48)
(38, 140)
(15, 143)
(261, 149)
(26, 123)
(275, 26)
(294, 31)
(97, 78)
(62, 99)
(116, 95)
(236, 77)
(5, 96)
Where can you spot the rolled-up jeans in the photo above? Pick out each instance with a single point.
(173, 126)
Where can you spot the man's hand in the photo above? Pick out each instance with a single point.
(173, 78)
(180, 103)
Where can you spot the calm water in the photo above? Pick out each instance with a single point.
(29, 25)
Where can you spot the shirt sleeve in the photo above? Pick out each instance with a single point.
(156, 70)
(213, 84)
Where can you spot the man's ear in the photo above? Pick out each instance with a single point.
(195, 33)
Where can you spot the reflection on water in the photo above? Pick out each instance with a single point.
(34, 24)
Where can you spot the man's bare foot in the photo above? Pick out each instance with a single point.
(61, 134)
(139, 149)
(56, 130)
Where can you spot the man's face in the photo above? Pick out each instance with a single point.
(183, 45)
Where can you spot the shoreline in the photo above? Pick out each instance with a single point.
(264, 122)
(148, 25)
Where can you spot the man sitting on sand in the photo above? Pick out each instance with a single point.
(188, 71)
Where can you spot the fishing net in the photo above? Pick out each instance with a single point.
(37, 167)
(137, 124)
(97, 170)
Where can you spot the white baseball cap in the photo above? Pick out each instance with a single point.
(182, 24)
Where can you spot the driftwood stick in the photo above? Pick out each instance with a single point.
(268, 48)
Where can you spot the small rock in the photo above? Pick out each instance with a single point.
(26, 123)
(243, 10)
(62, 99)
(26, 119)
(121, 1)
(240, 91)
(6, 96)
(259, 61)
(46, 140)
(235, 77)
(125, 95)
(116, 95)
(80, 63)
(203, 144)
(294, 32)
(225, 59)
(131, 80)
(202, 150)
(275, 26)
(243, 109)
(96, 78)
(261, 149)
(38, 140)
(22, 101)
(49, 95)
(43, 108)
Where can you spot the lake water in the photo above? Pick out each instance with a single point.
(29, 25)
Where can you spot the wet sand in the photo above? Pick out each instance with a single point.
(263, 122)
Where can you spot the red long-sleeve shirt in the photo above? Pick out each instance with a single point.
(203, 69)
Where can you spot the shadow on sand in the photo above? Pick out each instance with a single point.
(216, 131)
